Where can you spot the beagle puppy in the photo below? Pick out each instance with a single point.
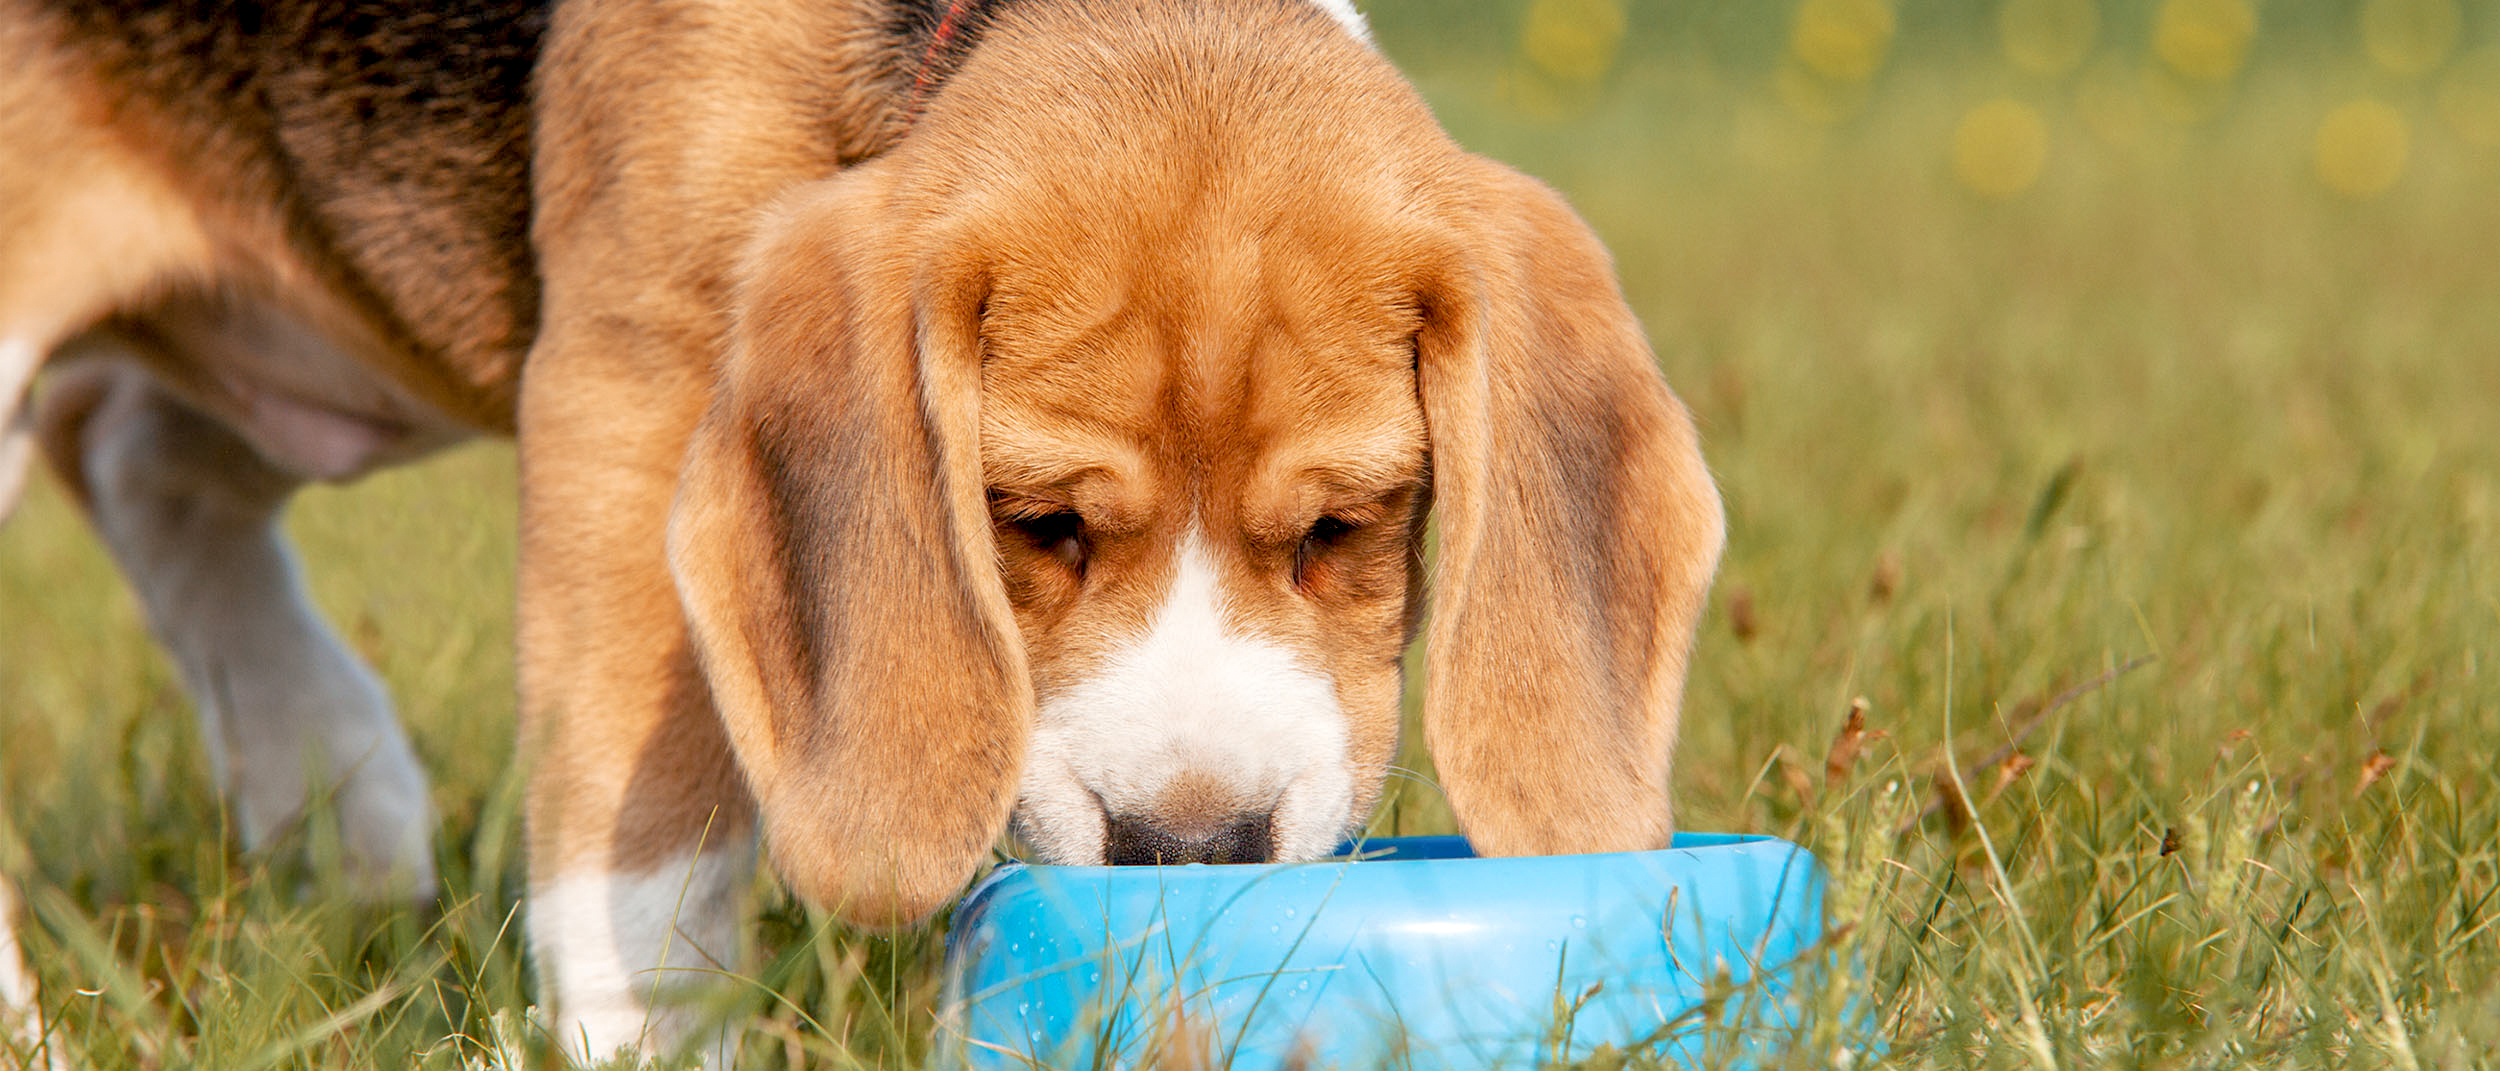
(935, 416)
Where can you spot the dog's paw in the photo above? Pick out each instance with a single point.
(386, 828)
(331, 744)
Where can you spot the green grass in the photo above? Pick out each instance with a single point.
(2177, 401)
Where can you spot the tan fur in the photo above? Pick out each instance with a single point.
(86, 224)
(829, 546)
(660, 139)
(1579, 534)
(1204, 269)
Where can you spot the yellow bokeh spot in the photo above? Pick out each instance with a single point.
(2048, 37)
(2362, 148)
(2409, 37)
(1842, 40)
(2205, 40)
(1999, 148)
(2469, 98)
(1573, 40)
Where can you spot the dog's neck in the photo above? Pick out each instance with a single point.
(938, 35)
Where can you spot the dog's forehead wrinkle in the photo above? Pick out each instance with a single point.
(1101, 237)
(1190, 414)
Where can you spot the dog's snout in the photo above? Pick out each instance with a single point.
(1133, 840)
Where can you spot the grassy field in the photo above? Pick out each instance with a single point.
(2121, 424)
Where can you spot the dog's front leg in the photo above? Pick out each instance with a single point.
(641, 832)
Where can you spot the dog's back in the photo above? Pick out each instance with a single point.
(380, 149)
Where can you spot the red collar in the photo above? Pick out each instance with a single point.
(950, 30)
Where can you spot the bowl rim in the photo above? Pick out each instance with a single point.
(1684, 850)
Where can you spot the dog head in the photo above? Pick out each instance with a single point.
(1073, 459)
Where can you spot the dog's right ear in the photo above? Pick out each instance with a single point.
(830, 544)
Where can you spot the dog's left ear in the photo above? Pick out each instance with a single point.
(1579, 532)
(831, 547)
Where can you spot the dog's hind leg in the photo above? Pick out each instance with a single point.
(83, 229)
(190, 512)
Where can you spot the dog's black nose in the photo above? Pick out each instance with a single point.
(1137, 841)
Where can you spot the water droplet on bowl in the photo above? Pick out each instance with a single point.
(1579, 922)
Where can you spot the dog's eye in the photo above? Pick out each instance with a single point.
(1060, 534)
(1325, 535)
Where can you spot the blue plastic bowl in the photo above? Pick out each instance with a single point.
(1416, 954)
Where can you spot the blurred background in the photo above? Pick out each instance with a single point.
(2029, 340)
(2004, 95)
(2031, 336)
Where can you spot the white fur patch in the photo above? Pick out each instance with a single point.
(20, 1014)
(1343, 11)
(18, 360)
(1194, 693)
(621, 952)
(17, 984)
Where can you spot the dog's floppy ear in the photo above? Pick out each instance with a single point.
(1579, 531)
(831, 546)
